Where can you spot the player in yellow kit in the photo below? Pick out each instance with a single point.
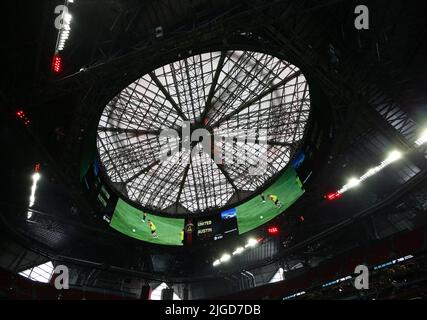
(182, 236)
(153, 229)
(275, 200)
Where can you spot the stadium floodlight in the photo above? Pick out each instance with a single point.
(422, 139)
(225, 257)
(353, 183)
(36, 177)
(394, 156)
(370, 173)
(239, 250)
(251, 243)
(64, 32)
(68, 17)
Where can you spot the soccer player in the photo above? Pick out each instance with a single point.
(153, 229)
(262, 198)
(275, 200)
(144, 217)
(182, 236)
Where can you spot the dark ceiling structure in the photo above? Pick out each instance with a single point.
(367, 98)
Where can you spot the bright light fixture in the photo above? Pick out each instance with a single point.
(36, 178)
(371, 172)
(353, 183)
(68, 17)
(251, 243)
(239, 250)
(422, 139)
(394, 156)
(225, 257)
(64, 32)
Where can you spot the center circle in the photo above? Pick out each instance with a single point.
(252, 106)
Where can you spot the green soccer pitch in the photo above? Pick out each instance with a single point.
(128, 220)
(253, 213)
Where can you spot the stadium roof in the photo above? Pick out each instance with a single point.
(376, 94)
(254, 104)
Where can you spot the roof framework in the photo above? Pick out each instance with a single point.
(258, 104)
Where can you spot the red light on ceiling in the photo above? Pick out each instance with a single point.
(273, 230)
(333, 196)
(57, 63)
(20, 114)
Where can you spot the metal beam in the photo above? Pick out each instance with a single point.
(136, 132)
(181, 186)
(208, 105)
(227, 176)
(167, 95)
(144, 170)
(257, 98)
